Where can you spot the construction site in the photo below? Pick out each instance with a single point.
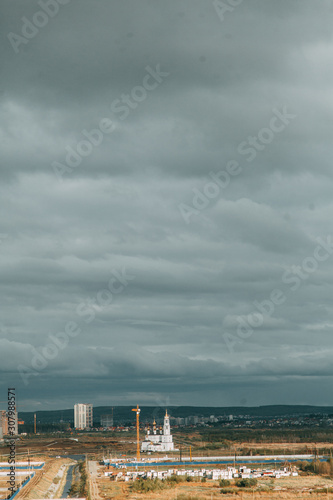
(132, 464)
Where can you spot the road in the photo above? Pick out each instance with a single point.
(92, 480)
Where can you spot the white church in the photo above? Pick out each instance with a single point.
(159, 442)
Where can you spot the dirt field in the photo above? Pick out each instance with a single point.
(303, 486)
(41, 448)
(292, 489)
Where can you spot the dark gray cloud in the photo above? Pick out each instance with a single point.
(171, 332)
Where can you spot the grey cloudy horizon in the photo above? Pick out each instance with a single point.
(179, 98)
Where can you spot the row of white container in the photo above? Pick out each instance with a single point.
(214, 474)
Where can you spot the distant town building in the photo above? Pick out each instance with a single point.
(4, 423)
(83, 416)
(106, 420)
(161, 441)
(178, 420)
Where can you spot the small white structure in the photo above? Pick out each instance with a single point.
(159, 442)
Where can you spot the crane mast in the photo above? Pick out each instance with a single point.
(137, 410)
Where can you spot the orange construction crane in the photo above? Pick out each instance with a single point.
(137, 410)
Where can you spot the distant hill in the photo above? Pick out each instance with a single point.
(123, 414)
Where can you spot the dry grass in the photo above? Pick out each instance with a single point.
(304, 487)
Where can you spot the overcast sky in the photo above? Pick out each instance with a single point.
(151, 265)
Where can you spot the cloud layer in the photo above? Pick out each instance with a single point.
(210, 92)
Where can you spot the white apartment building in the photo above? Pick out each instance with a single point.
(83, 416)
